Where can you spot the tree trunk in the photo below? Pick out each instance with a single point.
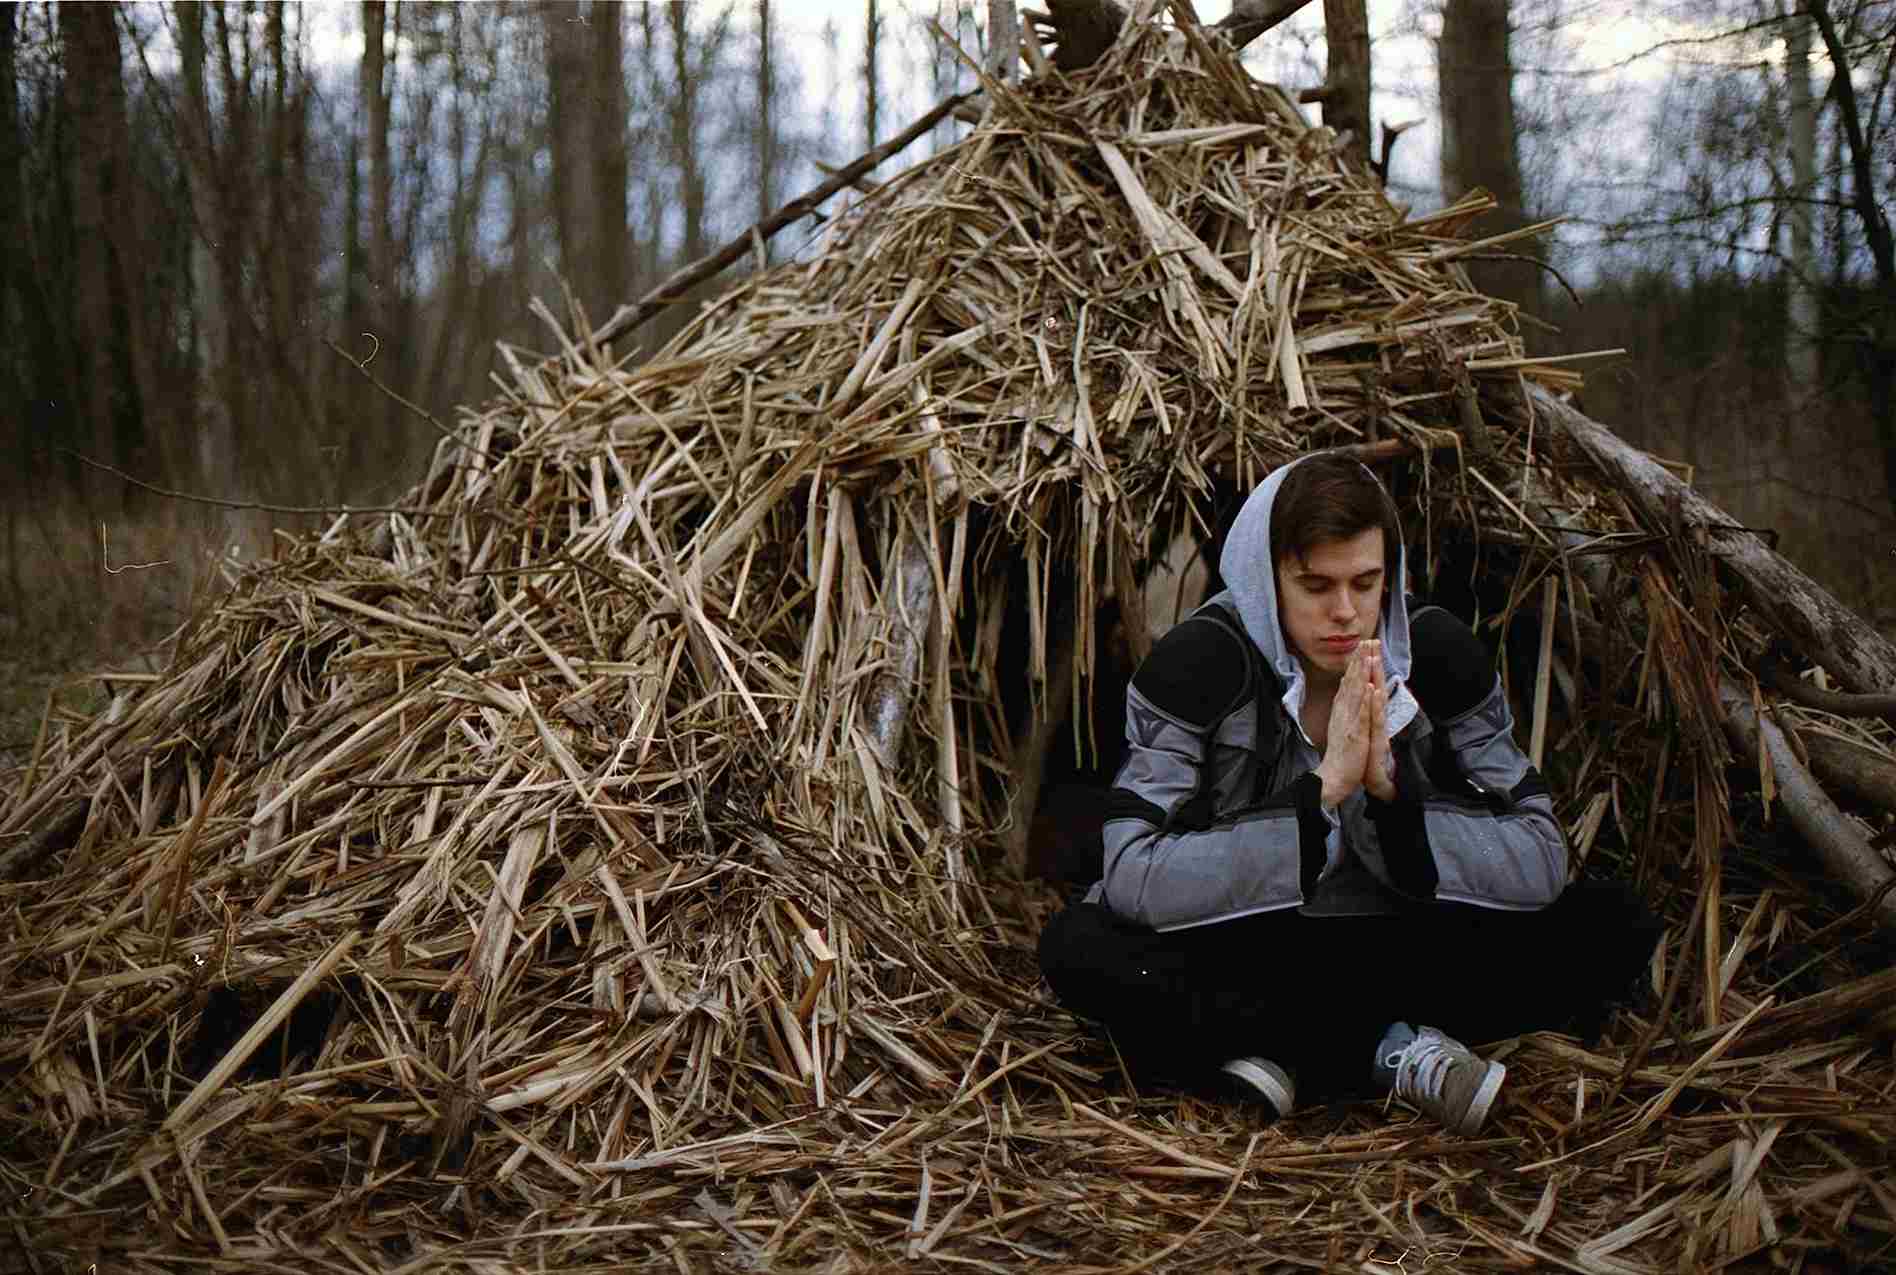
(610, 268)
(871, 78)
(210, 328)
(684, 137)
(569, 179)
(371, 448)
(767, 181)
(458, 313)
(1879, 348)
(1346, 79)
(106, 276)
(1800, 327)
(14, 360)
(1003, 62)
(382, 290)
(1479, 139)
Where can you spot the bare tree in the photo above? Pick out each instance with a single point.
(1003, 41)
(572, 169)
(1346, 81)
(871, 76)
(110, 354)
(768, 179)
(612, 266)
(1877, 341)
(16, 372)
(381, 290)
(1800, 327)
(684, 135)
(1480, 145)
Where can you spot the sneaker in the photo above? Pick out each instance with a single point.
(1263, 1081)
(1440, 1076)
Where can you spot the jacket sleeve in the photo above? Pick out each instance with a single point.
(1475, 824)
(1168, 863)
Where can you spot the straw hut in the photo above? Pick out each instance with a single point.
(608, 858)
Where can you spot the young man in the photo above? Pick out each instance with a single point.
(1324, 853)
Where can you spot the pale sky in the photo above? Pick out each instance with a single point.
(1593, 34)
(1403, 61)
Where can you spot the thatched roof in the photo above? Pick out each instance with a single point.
(599, 862)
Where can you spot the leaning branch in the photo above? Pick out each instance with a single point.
(1249, 19)
(1822, 629)
(1773, 674)
(674, 288)
(413, 511)
(1085, 29)
(1875, 229)
(362, 366)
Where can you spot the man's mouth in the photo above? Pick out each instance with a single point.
(1340, 644)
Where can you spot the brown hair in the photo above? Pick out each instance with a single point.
(1329, 497)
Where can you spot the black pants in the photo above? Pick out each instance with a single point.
(1316, 993)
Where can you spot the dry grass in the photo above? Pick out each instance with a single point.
(526, 884)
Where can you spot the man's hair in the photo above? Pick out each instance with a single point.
(1332, 497)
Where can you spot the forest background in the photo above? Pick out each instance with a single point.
(261, 252)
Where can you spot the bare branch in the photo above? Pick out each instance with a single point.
(681, 282)
(413, 511)
(362, 366)
(1532, 261)
(1875, 229)
(1085, 29)
(1249, 19)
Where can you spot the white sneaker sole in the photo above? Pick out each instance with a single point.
(1266, 1081)
(1477, 1114)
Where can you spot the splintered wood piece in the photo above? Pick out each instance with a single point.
(821, 956)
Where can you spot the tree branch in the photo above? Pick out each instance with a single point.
(412, 511)
(1816, 817)
(1249, 19)
(418, 410)
(682, 281)
(1805, 613)
(1875, 229)
(1772, 672)
(1085, 29)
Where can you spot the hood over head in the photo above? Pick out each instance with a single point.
(1251, 581)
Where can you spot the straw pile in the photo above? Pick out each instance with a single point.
(561, 875)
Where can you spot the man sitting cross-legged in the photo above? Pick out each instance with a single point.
(1326, 860)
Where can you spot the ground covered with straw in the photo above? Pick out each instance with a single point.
(597, 865)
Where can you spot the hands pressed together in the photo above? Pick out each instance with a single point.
(1356, 754)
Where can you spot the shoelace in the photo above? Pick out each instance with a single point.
(1419, 1066)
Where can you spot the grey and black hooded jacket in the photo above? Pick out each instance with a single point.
(1216, 812)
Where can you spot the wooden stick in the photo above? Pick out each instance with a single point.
(1780, 679)
(1825, 631)
(183, 855)
(1550, 599)
(689, 277)
(1830, 833)
(55, 834)
(1159, 1145)
(1865, 775)
(260, 1030)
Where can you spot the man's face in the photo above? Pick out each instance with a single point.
(1331, 600)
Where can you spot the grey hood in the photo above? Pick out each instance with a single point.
(1251, 583)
